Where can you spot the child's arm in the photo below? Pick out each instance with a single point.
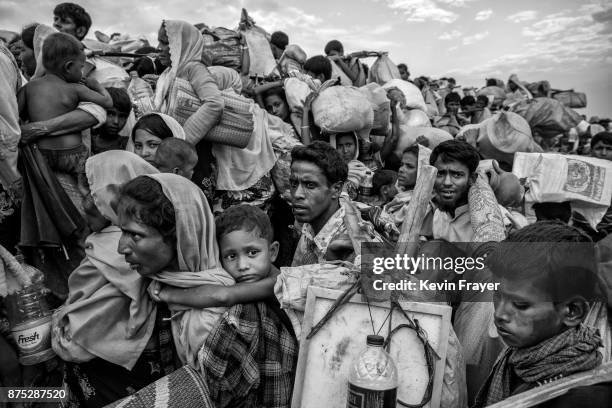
(205, 296)
(95, 93)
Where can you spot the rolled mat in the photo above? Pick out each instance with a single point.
(183, 388)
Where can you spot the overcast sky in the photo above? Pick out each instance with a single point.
(568, 42)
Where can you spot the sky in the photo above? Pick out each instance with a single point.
(567, 42)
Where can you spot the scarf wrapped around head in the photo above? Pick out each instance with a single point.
(173, 125)
(186, 45)
(198, 260)
(108, 313)
(570, 352)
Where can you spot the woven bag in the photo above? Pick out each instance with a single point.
(236, 125)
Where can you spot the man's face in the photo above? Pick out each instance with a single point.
(602, 150)
(524, 314)
(404, 74)
(345, 145)
(452, 184)
(115, 121)
(276, 52)
(311, 195)
(67, 25)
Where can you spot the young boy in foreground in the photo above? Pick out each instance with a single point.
(247, 250)
(539, 310)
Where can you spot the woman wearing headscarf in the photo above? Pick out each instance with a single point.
(181, 46)
(149, 132)
(169, 237)
(245, 357)
(109, 332)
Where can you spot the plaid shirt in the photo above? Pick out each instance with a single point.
(249, 360)
(312, 247)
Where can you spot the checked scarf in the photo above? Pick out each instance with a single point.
(249, 359)
(573, 351)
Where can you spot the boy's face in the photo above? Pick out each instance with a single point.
(602, 150)
(247, 256)
(115, 121)
(407, 174)
(388, 192)
(525, 314)
(65, 25)
(452, 107)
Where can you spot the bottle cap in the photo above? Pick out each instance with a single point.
(375, 340)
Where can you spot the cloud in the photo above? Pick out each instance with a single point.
(381, 29)
(565, 42)
(483, 15)
(423, 10)
(526, 15)
(450, 35)
(475, 38)
(456, 3)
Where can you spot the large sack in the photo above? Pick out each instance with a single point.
(414, 118)
(539, 89)
(547, 116)
(503, 135)
(586, 182)
(296, 92)
(262, 61)
(342, 109)
(414, 97)
(109, 74)
(495, 93)
(383, 70)
(571, 99)
(381, 106)
(409, 135)
(222, 47)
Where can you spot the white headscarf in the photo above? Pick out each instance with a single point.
(198, 260)
(108, 170)
(173, 125)
(186, 45)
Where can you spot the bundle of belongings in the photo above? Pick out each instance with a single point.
(585, 182)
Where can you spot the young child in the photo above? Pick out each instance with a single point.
(59, 92)
(176, 156)
(383, 186)
(247, 250)
(107, 136)
(244, 235)
(539, 310)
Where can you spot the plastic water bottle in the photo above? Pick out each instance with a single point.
(141, 95)
(30, 319)
(373, 377)
(365, 188)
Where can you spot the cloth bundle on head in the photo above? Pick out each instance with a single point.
(108, 313)
(198, 260)
(239, 169)
(173, 125)
(186, 45)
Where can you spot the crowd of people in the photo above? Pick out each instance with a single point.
(163, 244)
